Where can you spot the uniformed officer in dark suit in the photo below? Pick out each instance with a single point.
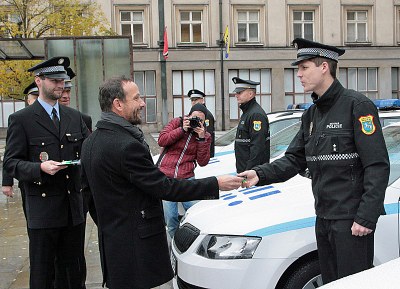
(31, 92)
(197, 96)
(39, 138)
(252, 136)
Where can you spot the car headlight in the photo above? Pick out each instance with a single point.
(228, 247)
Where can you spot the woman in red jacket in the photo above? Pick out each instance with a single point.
(186, 143)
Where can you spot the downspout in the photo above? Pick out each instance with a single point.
(164, 113)
(221, 44)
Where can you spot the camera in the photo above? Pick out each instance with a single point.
(195, 122)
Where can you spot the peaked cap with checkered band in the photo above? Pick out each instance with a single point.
(307, 49)
(52, 68)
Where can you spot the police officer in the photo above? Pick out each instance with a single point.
(39, 138)
(197, 96)
(31, 92)
(252, 136)
(341, 142)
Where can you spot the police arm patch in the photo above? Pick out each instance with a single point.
(257, 125)
(367, 124)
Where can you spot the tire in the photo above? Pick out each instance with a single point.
(305, 276)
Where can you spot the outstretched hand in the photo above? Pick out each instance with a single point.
(228, 182)
(250, 178)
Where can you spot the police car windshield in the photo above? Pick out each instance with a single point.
(392, 139)
(281, 140)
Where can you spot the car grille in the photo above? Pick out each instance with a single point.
(183, 285)
(185, 236)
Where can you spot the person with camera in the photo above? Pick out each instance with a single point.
(186, 143)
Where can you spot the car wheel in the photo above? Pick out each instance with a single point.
(305, 276)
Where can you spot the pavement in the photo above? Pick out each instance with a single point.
(14, 246)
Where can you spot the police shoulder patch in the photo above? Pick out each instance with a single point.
(257, 125)
(367, 124)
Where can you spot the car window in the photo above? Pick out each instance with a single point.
(389, 120)
(227, 138)
(392, 139)
(281, 140)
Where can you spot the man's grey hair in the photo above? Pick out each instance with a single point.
(111, 89)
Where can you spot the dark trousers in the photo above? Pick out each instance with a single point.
(57, 252)
(340, 253)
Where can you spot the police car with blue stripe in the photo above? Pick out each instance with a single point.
(263, 237)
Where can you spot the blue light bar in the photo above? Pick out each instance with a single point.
(387, 104)
(299, 105)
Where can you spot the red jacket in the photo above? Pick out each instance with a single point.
(183, 150)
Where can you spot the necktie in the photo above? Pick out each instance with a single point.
(55, 119)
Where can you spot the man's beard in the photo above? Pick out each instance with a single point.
(134, 119)
(50, 94)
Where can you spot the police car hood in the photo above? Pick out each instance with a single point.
(256, 211)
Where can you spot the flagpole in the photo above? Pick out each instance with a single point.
(222, 65)
(164, 97)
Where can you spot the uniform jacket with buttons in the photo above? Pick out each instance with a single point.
(252, 137)
(32, 134)
(341, 142)
(127, 189)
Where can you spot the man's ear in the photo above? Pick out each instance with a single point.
(117, 104)
(325, 67)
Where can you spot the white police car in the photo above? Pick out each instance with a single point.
(263, 237)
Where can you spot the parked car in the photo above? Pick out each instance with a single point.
(263, 237)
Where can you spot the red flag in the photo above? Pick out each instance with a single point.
(165, 51)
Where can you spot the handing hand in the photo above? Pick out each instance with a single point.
(358, 230)
(250, 178)
(228, 182)
(8, 191)
(51, 167)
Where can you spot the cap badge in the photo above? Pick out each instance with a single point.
(367, 124)
(257, 125)
(61, 61)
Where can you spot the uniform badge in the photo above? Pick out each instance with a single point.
(61, 61)
(44, 157)
(367, 124)
(207, 122)
(311, 127)
(257, 125)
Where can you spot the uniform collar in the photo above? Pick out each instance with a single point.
(48, 108)
(245, 106)
(329, 97)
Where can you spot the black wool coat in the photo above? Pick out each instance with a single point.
(127, 189)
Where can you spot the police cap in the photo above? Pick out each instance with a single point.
(31, 89)
(71, 74)
(307, 49)
(241, 84)
(52, 68)
(195, 93)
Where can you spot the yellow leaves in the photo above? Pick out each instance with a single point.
(14, 77)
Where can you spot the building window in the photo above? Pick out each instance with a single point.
(396, 82)
(191, 26)
(364, 80)
(132, 24)
(263, 92)
(146, 82)
(303, 24)
(398, 23)
(248, 26)
(358, 25)
(185, 80)
(294, 91)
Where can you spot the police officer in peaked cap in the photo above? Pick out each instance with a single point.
(252, 136)
(39, 138)
(31, 92)
(197, 96)
(341, 143)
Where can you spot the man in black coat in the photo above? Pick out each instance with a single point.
(127, 190)
(39, 138)
(197, 96)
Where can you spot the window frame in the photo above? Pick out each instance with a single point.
(176, 22)
(397, 25)
(369, 25)
(396, 79)
(367, 92)
(261, 24)
(293, 93)
(304, 8)
(146, 22)
(145, 96)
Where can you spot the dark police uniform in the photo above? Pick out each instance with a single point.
(209, 121)
(341, 142)
(54, 205)
(252, 137)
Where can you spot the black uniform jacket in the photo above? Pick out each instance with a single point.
(252, 137)
(87, 120)
(341, 142)
(31, 135)
(211, 129)
(127, 189)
